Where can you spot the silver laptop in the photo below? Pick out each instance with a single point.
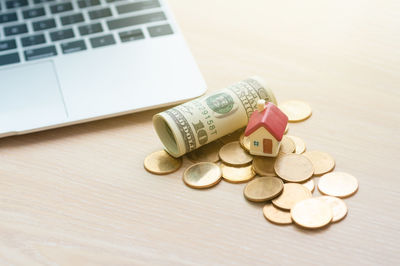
(72, 61)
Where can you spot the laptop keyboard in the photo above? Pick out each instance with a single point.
(37, 29)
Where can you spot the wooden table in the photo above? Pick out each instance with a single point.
(80, 195)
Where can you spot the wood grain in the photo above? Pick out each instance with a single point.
(80, 196)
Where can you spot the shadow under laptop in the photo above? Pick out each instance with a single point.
(140, 121)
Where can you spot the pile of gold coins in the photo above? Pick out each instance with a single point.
(285, 183)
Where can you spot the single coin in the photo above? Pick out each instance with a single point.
(233, 154)
(161, 163)
(264, 166)
(237, 174)
(202, 175)
(234, 136)
(339, 207)
(323, 162)
(299, 144)
(276, 216)
(312, 213)
(293, 168)
(263, 188)
(244, 142)
(338, 184)
(309, 184)
(296, 110)
(292, 193)
(287, 145)
(206, 153)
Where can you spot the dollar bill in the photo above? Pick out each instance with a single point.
(193, 124)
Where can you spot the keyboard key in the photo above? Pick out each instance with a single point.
(88, 3)
(16, 3)
(7, 45)
(16, 29)
(42, 1)
(131, 35)
(72, 19)
(90, 29)
(160, 30)
(135, 20)
(102, 41)
(34, 13)
(61, 35)
(131, 7)
(44, 24)
(72, 47)
(4, 18)
(9, 59)
(59, 8)
(100, 13)
(33, 40)
(34, 54)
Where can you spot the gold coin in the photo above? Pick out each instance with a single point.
(232, 154)
(338, 184)
(232, 136)
(275, 215)
(244, 142)
(161, 163)
(292, 193)
(312, 213)
(339, 208)
(287, 145)
(206, 153)
(237, 174)
(309, 184)
(299, 144)
(264, 166)
(263, 188)
(202, 175)
(323, 162)
(295, 110)
(293, 167)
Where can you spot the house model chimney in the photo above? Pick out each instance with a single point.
(260, 105)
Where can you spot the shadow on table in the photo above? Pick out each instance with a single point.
(87, 128)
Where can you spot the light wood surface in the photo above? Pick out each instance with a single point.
(80, 196)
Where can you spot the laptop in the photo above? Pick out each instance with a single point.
(73, 61)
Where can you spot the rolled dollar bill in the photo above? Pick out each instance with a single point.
(193, 124)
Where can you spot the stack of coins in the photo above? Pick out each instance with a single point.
(285, 183)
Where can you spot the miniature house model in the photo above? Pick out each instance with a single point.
(265, 129)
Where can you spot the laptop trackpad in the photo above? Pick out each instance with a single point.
(30, 97)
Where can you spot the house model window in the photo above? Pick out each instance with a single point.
(265, 129)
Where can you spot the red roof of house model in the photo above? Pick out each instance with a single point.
(272, 119)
